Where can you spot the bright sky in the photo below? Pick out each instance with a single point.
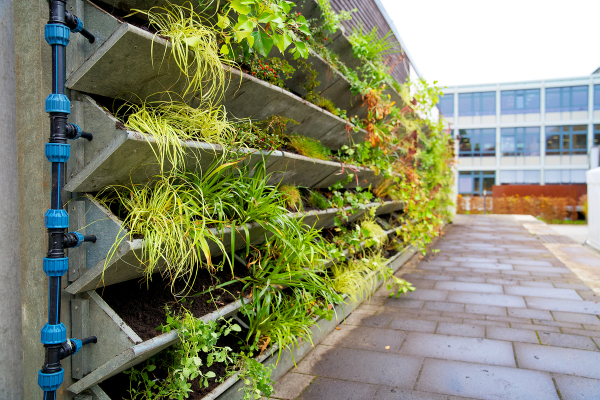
(459, 42)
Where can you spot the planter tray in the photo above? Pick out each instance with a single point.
(125, 264)
(122, 157)
(139, 67)
(114, 357)
(229, 390)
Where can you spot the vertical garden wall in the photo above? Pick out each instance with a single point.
(255, 173)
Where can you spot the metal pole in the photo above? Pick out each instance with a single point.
(484, 202)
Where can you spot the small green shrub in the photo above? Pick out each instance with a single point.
(309, 147)
(317, 200)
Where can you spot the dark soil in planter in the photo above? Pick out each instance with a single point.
(142, 306)
(117, 387)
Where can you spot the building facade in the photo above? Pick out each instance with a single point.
(537, 132)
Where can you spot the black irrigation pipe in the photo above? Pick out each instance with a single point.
(56, 264)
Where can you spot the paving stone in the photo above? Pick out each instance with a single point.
(362, 337)
(426, 294)
(539, 328)
(485, 265)
(474, 259)
(576, 388)
(485, 381)
(589, 295)
(485, 310)
(501, 300)
(584, 307)
(569, 294)
(362, 366)
(517, 273)
(326, 388)
(560, 324)
(502, 281)
(582, 332)
(403, 302)
(591, 327)
(478, 350)
(525, 261)
(375, 321)
(486, 322)
(511, 334)
(469, 287)
(508, 319)
(571, 286)
(445, 328)
(439, 319)
(437, 277)
(528, 313)
(534, 268)
(459, 315)
(440, 263)
(290, 385)
(390, 393)
(472, 279)
(557, 359)
(536, 284)
(442, 306)
(429, 268)
(488, 271)
(565, 340)
(415, 325)
(423, 283)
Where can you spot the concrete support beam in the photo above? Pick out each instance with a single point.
(11, 348)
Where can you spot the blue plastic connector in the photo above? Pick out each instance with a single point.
(58, 152)
(78, 131)
(57, 34)
(51, 382)
(79, 27)
(56, 219)
(79, 238)
(58, 103)
(78, 345)
(56, 266)
(54, 334)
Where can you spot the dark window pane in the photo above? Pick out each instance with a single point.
(488, 184)
(476, 187)
(579, 128)
(580, 141)
(596, 97)
(553, 142)
(552, 129)
(596, 139)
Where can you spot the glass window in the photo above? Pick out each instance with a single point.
(476, 104)
(447, 105)
(477, 142)
(596, 97)
(566, 140)
(520, 177)
(571, 98)
(520, 141)
(564, 176)
(520, 101)
(597, 135)
(475, 182)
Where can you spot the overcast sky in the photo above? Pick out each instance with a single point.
(460, 42)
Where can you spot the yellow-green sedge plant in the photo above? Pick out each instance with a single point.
(194, 49)
(309, 147)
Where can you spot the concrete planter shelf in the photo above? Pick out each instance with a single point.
(125, 263)
(139, 67)
(122, 157)
(139, 351)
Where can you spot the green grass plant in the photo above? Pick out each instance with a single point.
(374, 233)
(194, 48)
(309, 147)
(291, 197)
(317, 200)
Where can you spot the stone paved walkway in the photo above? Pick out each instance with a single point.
(495, 316)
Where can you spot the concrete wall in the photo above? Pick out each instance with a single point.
(11, 351)
(33, 81)
(593, 193)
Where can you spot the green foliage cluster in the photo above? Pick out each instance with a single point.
(273, 70)
(309, 147)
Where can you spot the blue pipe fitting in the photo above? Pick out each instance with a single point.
(80, 238)
(79, 27)
(54, 334)
(56, 266)
(78, 345)
(58, 103)
(78, 129)
(58, 152)
(57, 34)
(50, 382)
(56, 219)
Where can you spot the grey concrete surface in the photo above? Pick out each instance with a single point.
(11, 349)
(527, 330)
(579, 233)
